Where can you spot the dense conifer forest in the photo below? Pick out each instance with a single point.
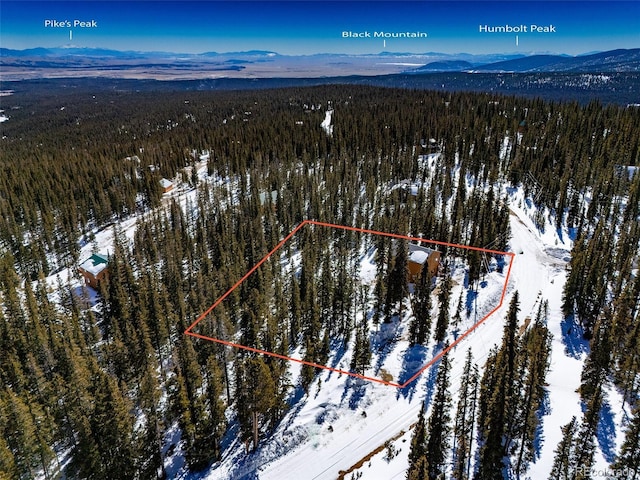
(104, 384)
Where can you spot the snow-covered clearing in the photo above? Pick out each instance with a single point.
(326, 123)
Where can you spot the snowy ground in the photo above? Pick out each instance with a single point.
(326, 123)
(343, 420)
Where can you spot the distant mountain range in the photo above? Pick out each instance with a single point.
(75, 51)
(74, 61)
(612, 61)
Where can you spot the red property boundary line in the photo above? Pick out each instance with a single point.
(189, 331)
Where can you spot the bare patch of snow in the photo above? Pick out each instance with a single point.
(326, 123)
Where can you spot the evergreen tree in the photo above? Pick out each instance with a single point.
(584, 446)
(182, 408)
(457, 316)
(21, 437)
(497, 395)
(379, 294)
(343, 296)
(327, 292)
(534, 361)
(420, 470)
(420, 325)
(628, 460)
(561, 469)
(307, 373)
(442, 322)
(112, 429)
(87, 459)
(597, 365)
(397, 288)
(252, 319)
(216, 408)
(418, 464)
(474, 260)
(361, 351)
(295, 312)
(439, 428)
(190, 403)
(202, 447)
(151, 462)
(625, 338)
(255, 396)
(8, 470)
(465, 419)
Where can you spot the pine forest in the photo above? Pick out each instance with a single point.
(180, 193)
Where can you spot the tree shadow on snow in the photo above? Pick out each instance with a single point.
(295, 402)
(245, 471)
(356, 388)
(245, 466)
(470, 300)
(86, 297)
(414, 359)
(572, 337)
(230, 436)
(369, 253)
(338, 349)
(384, 340)
(606, 432)
(538, 439)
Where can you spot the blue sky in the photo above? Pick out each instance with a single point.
(307, 27)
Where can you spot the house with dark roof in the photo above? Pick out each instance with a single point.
(94, 269)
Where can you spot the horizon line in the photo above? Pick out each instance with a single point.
(319, 53)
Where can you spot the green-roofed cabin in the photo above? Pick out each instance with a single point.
(522, 126)
(94, 269)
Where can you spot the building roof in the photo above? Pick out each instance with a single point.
(95, 264)
(419, 254)
(418, 257)
(164, 183)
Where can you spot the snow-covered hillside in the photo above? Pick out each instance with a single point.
(277, 205)
(350, 425)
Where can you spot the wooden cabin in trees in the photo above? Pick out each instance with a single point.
(420, 256)
(94, 269)
(166, 185)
